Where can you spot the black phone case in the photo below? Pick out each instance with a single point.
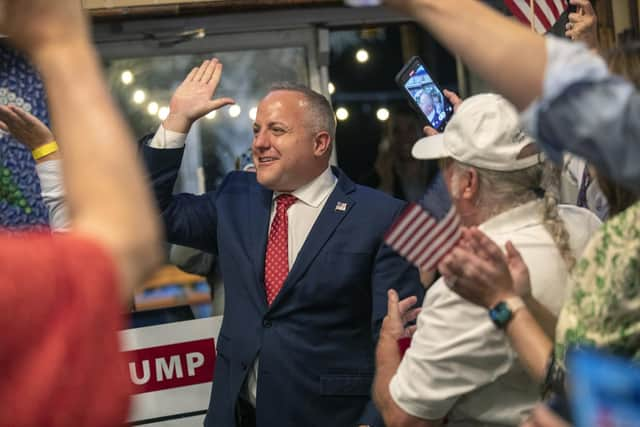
(400, 81)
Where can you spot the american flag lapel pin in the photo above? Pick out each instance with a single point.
(341, 207)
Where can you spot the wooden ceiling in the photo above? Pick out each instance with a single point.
(106, 8)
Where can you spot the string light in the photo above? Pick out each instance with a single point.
(383, 114)
(153, 108)
(163, 112)
(253, 113)
(362, 56)
(127, 77)
(332, 88)
(212, 115)
(139, 96)
(342, 114)
(234, 111)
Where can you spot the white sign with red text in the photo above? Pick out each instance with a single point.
(171, 369)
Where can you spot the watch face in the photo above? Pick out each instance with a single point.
(500, 314)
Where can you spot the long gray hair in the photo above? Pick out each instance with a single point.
(501, 191)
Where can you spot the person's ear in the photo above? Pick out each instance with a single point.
(322, 144)
(470, 184)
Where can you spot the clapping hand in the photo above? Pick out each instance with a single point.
(193, 98)
(24, 127)
(480, 272)
(399, 314)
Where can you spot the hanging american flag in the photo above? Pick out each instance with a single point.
(546, 12)
(425, 233)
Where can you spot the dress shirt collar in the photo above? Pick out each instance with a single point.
(316, 191)
(514, 219)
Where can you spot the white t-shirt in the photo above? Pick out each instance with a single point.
(459, 365)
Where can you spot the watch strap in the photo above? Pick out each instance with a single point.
(502, 313)
(514, 304)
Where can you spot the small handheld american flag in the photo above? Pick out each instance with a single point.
(541, 15)
(427, 231)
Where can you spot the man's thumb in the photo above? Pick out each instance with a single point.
(392, 303)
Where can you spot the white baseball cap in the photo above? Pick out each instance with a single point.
(484, 132)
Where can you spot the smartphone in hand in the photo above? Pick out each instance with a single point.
(573, 8)
(424, 94)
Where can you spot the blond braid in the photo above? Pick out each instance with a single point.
(550, 183)
(501, 191)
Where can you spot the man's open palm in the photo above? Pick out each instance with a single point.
(193, 98)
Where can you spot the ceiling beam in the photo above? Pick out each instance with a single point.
(118, 8)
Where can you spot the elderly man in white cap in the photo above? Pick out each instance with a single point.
(460, 367)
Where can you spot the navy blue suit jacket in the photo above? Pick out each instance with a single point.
(316, 342)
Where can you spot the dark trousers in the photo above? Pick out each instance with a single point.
(245, 414)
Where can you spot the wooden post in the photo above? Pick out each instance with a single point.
(533, 15)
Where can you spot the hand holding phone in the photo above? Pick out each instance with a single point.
(424, 94)
(583, 23)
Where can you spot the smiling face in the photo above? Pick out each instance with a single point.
(437, 102)
(426, 103)
(287, 152)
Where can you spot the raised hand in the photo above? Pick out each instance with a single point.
(24, 127)
(36, 24)
(193, 98)
(480, 272)
(455, 101)
(399, 313)
(478, 242)
(583, 25)
(519, 271)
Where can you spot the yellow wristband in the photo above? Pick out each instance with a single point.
(45, 150)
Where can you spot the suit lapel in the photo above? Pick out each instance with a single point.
(338, 206)
(258, 216)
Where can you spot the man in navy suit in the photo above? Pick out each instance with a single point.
(300, 249)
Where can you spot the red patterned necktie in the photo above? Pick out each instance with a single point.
(276, 265)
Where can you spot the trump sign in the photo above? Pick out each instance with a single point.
(171, 369)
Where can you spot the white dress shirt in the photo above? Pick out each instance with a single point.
(459, 364)
(165, 138)
(301, 216)
(53, 194)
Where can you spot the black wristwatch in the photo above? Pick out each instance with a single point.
(502, 313)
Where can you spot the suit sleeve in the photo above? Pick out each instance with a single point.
(189, 220)
(390, 271)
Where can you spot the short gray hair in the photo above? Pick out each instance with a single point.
(321, 115)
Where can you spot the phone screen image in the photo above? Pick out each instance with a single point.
(420, 87)
(605, 389)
